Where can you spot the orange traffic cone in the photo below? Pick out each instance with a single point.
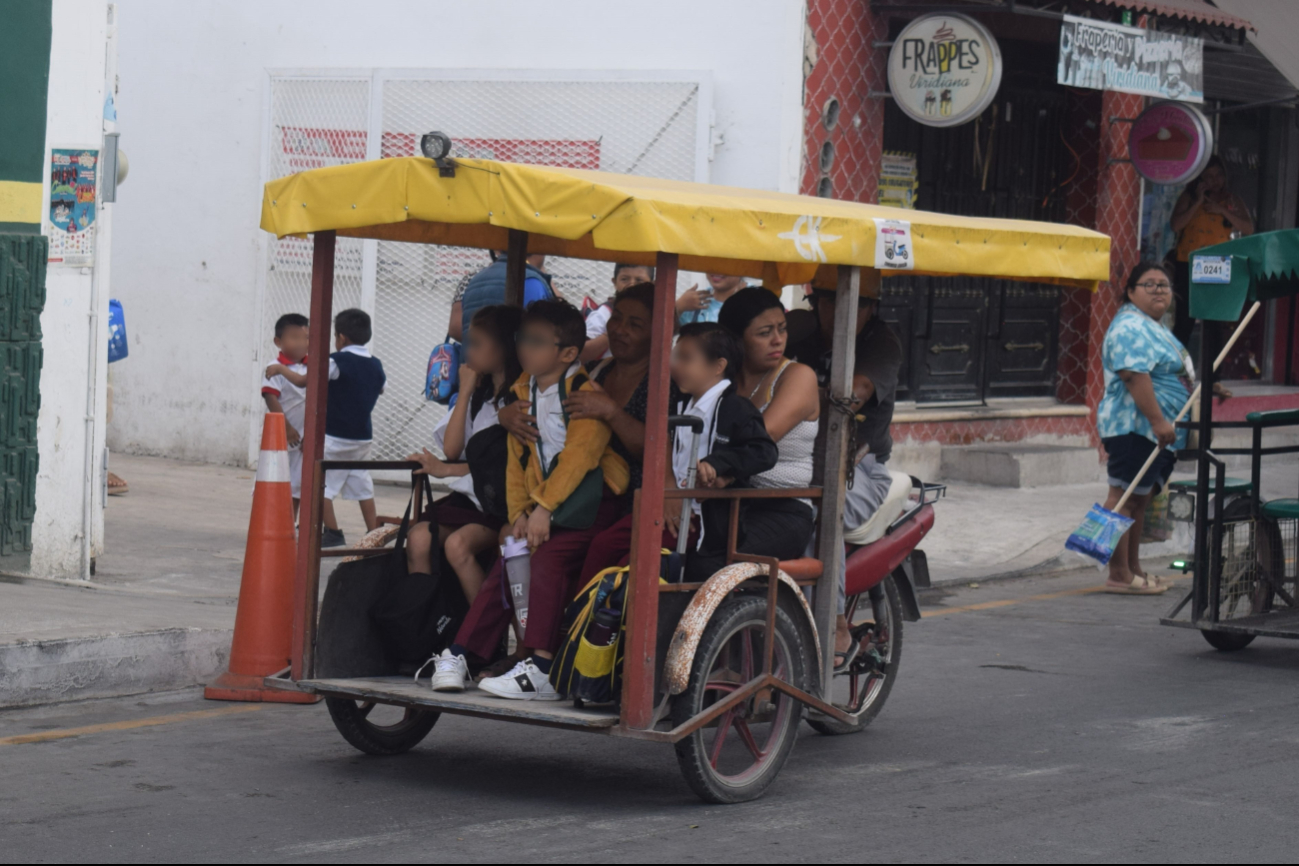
(264, 619)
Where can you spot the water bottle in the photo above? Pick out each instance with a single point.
(604, 626)
(518, 573)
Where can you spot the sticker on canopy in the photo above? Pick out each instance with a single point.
(1211, 269)
(808, 237)
(893, 249)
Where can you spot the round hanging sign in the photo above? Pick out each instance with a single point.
(1170, 143)
(944, 70)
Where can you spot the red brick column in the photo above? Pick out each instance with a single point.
(1118, 207)
(847, 68)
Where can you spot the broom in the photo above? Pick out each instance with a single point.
(1102, 529)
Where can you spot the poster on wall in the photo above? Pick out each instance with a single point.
(898, 183)
(944, 69)
(1104, 56)
(73, 181)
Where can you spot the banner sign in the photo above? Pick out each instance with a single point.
(944, 70)
(1170, 143)
(73, 186)
(1105, 56)
(898, 183)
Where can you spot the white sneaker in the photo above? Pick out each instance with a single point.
(524, 682)
(450, 672)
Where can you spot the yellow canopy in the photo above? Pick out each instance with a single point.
(778, 237)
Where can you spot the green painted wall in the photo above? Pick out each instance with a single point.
(25, 32)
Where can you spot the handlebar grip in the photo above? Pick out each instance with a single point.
(694, 422)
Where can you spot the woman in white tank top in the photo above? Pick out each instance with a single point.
(786, 394)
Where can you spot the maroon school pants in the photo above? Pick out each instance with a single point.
(552, 584)
(613, 547)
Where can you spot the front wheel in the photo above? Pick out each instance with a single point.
(735, 757)
(377, 729)
(1227, 641)
(875, 621)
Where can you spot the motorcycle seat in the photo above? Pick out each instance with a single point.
(890, 509)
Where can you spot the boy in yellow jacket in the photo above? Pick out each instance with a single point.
(543, 479)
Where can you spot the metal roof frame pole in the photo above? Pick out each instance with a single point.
(516, 267)
(647, 532)
(842, 362)
(306, 576)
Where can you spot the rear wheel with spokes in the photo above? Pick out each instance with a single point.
(875, 620)
(736, 756)
(380, 729)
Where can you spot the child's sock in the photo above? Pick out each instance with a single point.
(458, 650)
(543, 665)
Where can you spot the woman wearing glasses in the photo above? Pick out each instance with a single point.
(1147, 380)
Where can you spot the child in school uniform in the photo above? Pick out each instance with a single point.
(540, 478)
(486, 378)
(356, 380)
(285, 397)
(734, 442)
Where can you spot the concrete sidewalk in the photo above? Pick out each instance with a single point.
(160, 610)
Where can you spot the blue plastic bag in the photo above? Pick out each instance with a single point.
(443, 376)
(1098, 534)
(117, 348)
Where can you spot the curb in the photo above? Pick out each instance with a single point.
(107, 666)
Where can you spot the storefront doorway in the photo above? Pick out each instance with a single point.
(970, 340)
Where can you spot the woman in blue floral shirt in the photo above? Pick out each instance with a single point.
(1147, 380)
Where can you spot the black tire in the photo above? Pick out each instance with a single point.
(1227, 641)
(352, 720)
(729, 653)
(865, 686)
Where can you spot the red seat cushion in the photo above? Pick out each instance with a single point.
(806, 568)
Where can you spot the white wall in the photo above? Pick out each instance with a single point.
(74, 118)
(193, 78)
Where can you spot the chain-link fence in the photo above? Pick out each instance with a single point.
(648, 128)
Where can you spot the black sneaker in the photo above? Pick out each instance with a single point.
(332, 538)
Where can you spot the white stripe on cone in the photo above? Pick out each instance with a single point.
(273, 466)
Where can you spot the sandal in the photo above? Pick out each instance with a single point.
(1138, 586)
(116, 486)
(843, 659)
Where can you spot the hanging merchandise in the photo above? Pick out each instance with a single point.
(944, 69)
(117, 347)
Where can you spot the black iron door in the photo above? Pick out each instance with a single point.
(965, 338)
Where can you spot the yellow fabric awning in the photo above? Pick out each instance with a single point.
(777, 237)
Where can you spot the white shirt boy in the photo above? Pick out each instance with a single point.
(293, 400)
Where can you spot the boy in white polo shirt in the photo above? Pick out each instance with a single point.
(285, 397)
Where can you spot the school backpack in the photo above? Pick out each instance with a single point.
(582, 671)
(488, 452)
(443, 377)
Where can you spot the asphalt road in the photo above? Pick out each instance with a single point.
(1043, 724)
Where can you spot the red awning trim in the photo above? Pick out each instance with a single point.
(1192, 10)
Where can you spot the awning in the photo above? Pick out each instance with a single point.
(781, 238)
(1263, 266)
(1191, 10)
(1276, 23)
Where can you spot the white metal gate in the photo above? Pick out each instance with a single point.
(652, 124)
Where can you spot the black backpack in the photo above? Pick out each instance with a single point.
(487, 452)
(418, 614)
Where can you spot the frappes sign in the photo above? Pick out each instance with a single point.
(1170, 143)
(944, 70)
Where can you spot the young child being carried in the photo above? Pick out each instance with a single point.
(540, 478)
(356, 380)
(464, 530)
(287, 397)
(734, 440)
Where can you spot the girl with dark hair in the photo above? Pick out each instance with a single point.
(1206, 213)
(464, 530)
